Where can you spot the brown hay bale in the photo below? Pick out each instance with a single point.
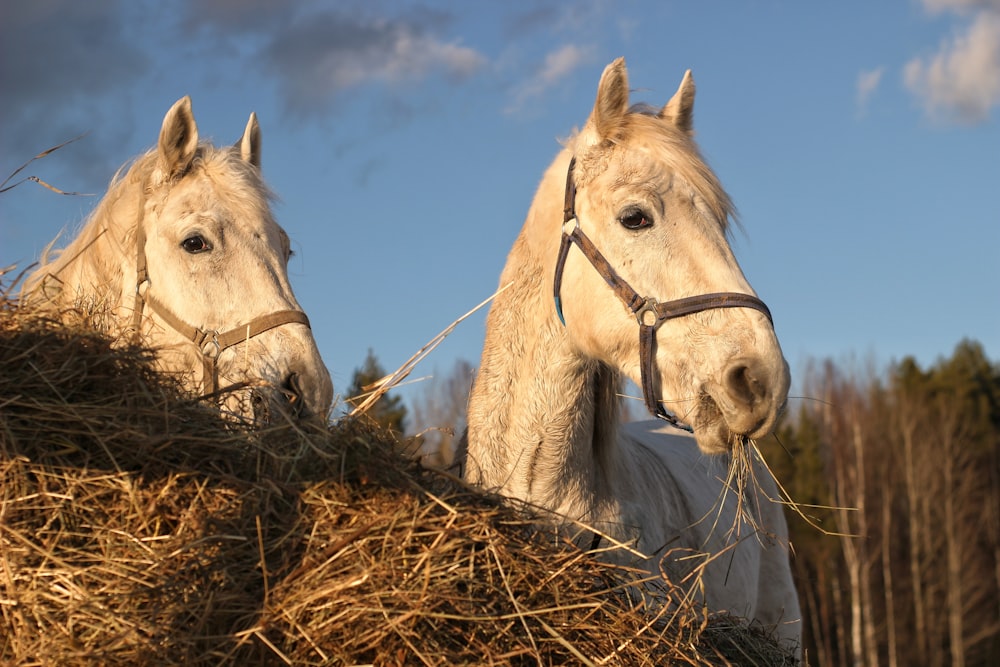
(138, 527)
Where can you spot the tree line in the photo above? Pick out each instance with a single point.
(897, 476)
(895, 480)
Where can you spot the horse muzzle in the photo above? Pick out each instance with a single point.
(745, 402)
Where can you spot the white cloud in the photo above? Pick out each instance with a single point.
(963, 79)
(319, 58)
(401, 57)
(557, 66)
(868, 83)
(560, 63)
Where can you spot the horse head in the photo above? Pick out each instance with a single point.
(212, 274)
(646, 281)
(184, 251)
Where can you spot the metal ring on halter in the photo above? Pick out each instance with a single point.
(649, 307)
(210, 347)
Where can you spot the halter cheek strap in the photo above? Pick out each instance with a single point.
(210, 343)
(649, 313)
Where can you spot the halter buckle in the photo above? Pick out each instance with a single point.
(648, 314)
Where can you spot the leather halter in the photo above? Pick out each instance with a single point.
(210, 343)
(648, 311)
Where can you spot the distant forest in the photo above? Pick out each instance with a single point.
(902, 469)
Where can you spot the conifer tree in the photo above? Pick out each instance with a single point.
(389, 411)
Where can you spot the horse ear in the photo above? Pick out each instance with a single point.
(249, 143)
(680, 109)
(612, 100)
(178, 139)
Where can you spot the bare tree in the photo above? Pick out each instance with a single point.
(953, 549)
(438, 414)
(907, 421)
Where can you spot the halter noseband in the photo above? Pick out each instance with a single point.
(648, 311)
(210, 343)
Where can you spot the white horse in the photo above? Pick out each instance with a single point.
(184, 253)
(629, 209)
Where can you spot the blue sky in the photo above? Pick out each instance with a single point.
(860, 142)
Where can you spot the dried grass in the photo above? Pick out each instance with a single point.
(139, 528)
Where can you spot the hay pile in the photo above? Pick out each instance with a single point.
(139, 528)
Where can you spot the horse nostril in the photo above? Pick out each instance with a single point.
(292, 390)
(742, 385)
(260, 408)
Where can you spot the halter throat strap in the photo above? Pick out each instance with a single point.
(649, 313)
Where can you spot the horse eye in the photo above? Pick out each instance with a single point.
(635, 219)
(195, 244)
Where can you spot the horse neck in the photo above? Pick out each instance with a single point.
(542, 423)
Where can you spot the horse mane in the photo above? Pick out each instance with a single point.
(642, 128)
(92, 260)
(607, 386)
(104, 233)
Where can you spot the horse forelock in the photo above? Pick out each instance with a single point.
(642, 130)
(236, 183)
